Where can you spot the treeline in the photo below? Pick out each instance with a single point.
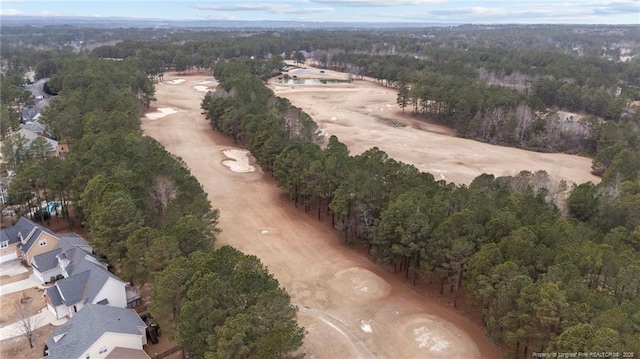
(543, 282)
(483, 82)
(150, 218)
(482, 98)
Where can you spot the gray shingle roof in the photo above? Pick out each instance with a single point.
(73, 288)
(70, 240)
(88, 325)
(29, 114)
(54, 296)
(35, 126)
(98, 275)
(31, 136)
(86, 279)
(46, 261)
(23, 226)
(70, 246)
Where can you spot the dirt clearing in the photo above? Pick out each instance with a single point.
(364, 114)
(351, 307)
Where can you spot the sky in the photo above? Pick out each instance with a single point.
(421, 11)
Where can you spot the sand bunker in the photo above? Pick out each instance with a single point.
(162, 112)
(360, 283)
(435, 338)
(207, 82)
(201, 88)
(366, 326)
(176, 81)
(268, 231)
(239, 160)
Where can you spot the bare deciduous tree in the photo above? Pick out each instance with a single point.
(28, 320)
(524, 120)
(163, 192)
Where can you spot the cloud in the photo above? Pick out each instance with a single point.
(265, 7)
(617, 7)
(49, 13)
(377, 3)
(10, 12)
(3, 1)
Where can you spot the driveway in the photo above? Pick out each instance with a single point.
(43, 318)
(12, 268)
(30, 282)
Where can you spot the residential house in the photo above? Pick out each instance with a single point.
(86, 281)
(34, 239)
(99, 331)
(31, 136)
(25, 240)
(29, 114)
(49, 264)
(37, 128)
(9, 242)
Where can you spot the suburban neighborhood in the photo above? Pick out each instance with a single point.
(92, 310)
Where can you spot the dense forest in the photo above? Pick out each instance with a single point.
(145, 213)
(504, 85)
(544, 279)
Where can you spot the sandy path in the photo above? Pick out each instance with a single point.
(364, 114)
(352, 308)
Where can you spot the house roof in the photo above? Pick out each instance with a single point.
(77, 335)
(69, 240)
(34, 237)
(86, 279)
(31, 136)
(35, 126)
(127, 353)
(70, 246)
(23, 227)
(46, 261)
(54, 296)
(29, 114)
(73, 288)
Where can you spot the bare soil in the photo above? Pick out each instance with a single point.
(18, 347)
(364, 114)
(9, 314)
(350, 306)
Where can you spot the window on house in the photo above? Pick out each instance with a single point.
(4, 244)
(43, 242)
(102, 350)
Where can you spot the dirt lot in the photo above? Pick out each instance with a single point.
(351, 307)
(364, 114)
(8, 302)
(18, 347)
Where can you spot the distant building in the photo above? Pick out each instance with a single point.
(29, 114)
(31, 136)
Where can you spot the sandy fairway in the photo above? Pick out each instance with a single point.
(364, 114)
(351, 307)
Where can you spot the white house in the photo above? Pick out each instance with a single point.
(99, 331)
(86, 281)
